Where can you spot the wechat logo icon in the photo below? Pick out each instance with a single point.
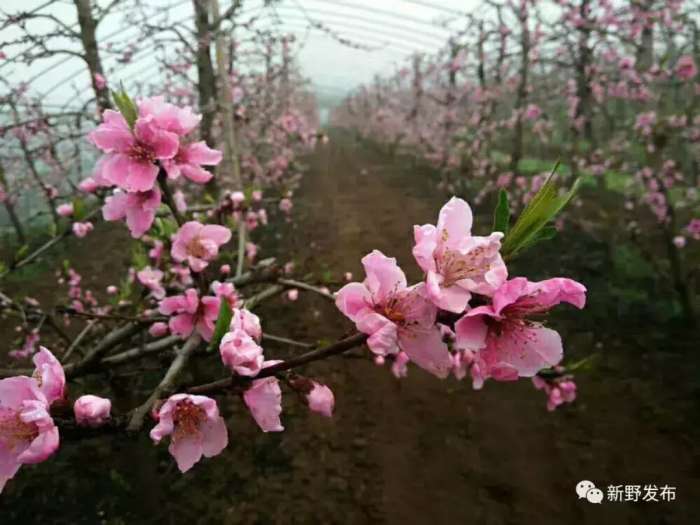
(587, 490)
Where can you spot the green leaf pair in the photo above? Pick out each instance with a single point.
(126, 106)
(222, 324)
(532, 226)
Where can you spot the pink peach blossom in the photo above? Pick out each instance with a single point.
(399, 367)
(189, 161)
(247, 321)
(49, 375)
(395, 316)
(81, 229)
(195, 428)
(240, 353)
(89, 185)
(506, 344)
(198, 244)
(180, 202)
(27, 432)
(264, 400)
(456, 263)
(168, 117)
(226, 291)
(131, 156)
(237, 197)
(91, 410)
(188, 313)
(151, 279)
(100, 81)
(139, 208)
(686, 68)
(321, 399)
(286, 205)
(158, 329)
(65, 210)
(559, 391)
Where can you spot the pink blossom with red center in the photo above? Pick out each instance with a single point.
(92, 411)
(198, 244)
(130, 160)
(456, 263)
(28, 434)
(189, 313)
(195, 428)
(139, 209)
(395, 316)
(508, 345)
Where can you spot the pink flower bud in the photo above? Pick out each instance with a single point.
(237, 197)
(293, 294)
(158, 329)
(112, 290)
(348, 276)
(65, 210)
(91, 410)
(225, 269)
(81, 229)
(321, 399)
(89, 185)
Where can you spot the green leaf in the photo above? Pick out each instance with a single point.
(501, 215)
(165, 228)
(222, 324)
(126, 107)
(139, 257)
(22, 251)
(543, 207)
(547, 233)
(79, 209)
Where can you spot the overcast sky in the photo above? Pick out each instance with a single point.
(395, 28)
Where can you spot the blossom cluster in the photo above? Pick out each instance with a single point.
(135, 155)
(28, 433)
(467, 315)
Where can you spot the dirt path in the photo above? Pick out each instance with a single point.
(445, 454)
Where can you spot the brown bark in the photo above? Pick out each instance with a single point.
(88, 28)
(206, 80)
(10, 208)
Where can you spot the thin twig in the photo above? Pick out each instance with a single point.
(166, 384)
(286, 341)
(78, 340)
(336, 348)
(291, 283)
